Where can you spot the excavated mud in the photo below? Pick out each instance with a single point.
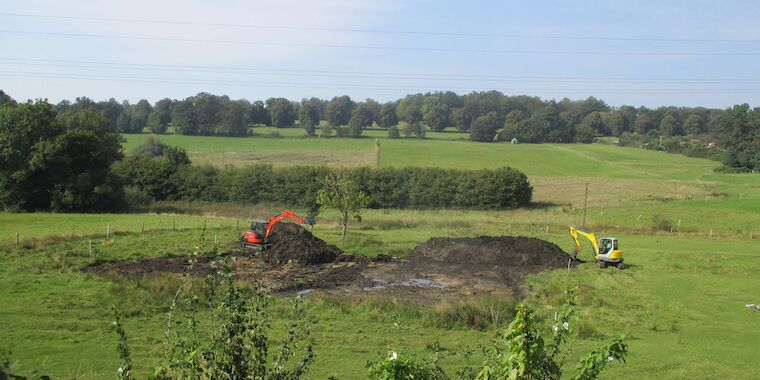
(439, 268)
(292, 243)
(486, 250)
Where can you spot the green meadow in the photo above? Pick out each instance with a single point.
(681, 304)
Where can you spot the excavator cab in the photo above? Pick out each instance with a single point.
(607, 245)
(259, 226)
(610, 252)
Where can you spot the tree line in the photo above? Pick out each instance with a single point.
(487, 116)
(727, 135)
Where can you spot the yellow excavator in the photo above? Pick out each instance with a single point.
(606, 250)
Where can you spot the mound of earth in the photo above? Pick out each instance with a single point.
(491, 251)
(291, 242)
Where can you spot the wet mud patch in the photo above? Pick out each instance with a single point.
(441, 268)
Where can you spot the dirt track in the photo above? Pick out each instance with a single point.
(439, 268)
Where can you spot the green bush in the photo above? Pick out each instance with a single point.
(401, 367)
(661, 223)
(393, 132)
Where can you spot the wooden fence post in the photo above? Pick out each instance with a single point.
(90, 249)
(108, 231)
(174, 224)
(142, 227)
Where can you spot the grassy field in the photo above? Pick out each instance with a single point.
(586, 160)
(681, 303)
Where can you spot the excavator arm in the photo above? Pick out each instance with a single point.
(576, 232)
(286, 214)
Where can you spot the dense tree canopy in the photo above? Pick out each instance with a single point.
(308, 115)
(282, 111)
(386, 116)
(338, 111)
(57, 162)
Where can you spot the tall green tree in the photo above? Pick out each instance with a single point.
(343, 194)
(693, 125)
(643, 124)
(206, 109)
(669, 126)
(436, 116)
(739, 128)
(589, 127)
(338, 111)
(232, 121)
(484, 128)
(308, 115)
(183, 117)
(408, 109)
(615, 123)
(61, 163)
(386, 116)
(140, 114)
(6, 99)
(282, 111)
(460, 119)
(112, 109)
(258, 114)
(159, 119)
(363, 115)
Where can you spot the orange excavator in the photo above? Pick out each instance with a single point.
(257, 236)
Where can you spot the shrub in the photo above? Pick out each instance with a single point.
(661, 223)
(521, 352)
(234, 343)
(398, 367)
(393, 132)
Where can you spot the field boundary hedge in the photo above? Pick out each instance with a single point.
(416, 188)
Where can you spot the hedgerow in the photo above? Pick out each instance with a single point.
(419, 188)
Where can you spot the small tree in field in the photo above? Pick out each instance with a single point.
(343, 194)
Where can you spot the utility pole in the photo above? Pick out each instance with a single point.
(585, 203)
(377, 153)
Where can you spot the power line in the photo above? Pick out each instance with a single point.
(356, 74)
(348, 86)
(386, 31)
(374, 47)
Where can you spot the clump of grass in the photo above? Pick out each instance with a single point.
(661, 223)
(586, 330)
(478, 314)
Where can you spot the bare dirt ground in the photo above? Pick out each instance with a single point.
(438, 269)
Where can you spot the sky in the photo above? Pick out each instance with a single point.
(646, 52)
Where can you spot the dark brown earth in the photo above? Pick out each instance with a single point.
(438, 268)
(291, 242)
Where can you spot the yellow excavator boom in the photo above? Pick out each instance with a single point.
(575, 232)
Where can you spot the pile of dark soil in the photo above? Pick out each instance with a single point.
(291, 242)
(486, 251)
